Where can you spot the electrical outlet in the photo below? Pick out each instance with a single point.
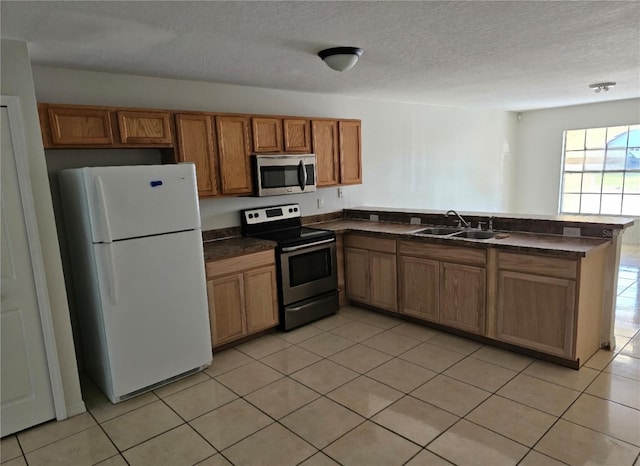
(373, 217)
(320, 203)
(340, 193)
(415, 221)
(571, 231)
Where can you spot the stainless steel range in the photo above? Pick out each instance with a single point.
(306, 262)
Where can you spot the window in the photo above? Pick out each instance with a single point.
(601, 171)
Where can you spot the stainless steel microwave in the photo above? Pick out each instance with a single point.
(274, 175)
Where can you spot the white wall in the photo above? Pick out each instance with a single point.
(539, 151)
(416, 156)
(16, 80)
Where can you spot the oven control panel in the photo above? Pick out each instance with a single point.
(270, 214)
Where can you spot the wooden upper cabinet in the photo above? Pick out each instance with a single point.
(233, 154)
(297, 135)
(196, 144)
(261, 298)
(267, 134)
(142, 127)
(326, 148)
(350, 152)
(70, 125)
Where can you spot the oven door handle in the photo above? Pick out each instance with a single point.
(302, 175)
(308, 245)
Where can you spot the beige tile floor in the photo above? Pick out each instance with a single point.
(365, 389)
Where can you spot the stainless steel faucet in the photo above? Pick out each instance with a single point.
(461, 221)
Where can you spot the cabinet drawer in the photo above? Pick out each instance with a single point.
(539, 265)
(370, 243)
(443, 252)
(240, 263)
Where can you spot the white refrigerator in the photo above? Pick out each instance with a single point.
(134, 238)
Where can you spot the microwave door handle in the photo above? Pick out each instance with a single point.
(302, 175)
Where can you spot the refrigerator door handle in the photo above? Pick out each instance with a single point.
(102, 201)
(111, 273)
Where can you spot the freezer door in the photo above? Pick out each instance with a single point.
(133, 201)
(154, 306)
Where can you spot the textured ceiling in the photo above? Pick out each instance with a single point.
(514, 55)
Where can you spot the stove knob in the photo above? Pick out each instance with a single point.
(250, 215)
(256, 215)
(290, 210)
(295, 209)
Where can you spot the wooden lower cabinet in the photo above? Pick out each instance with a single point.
(356, 263)
(462, 297)
(419, 287)
(242, 296)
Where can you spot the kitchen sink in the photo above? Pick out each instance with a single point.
(438, 231)
(475, 234)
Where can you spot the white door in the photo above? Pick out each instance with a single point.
(25, 387)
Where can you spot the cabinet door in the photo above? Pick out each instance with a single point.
(139, 127)
(536, 312)
(233, 153)
(261, 298)
(420, 287)
(462, 297)
(267, 134)
(326, 146)
(356, 262)
(297, 136)
(226, 308)
(382, 280)
(80, 126)
(350, 152)
(196, 144)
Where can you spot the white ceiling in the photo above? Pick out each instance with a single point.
(513, 55)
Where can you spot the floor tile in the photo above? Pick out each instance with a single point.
(607, 417)
(141, 424)
(215, 460)
(19, 461)
(380, 320)
(199, 399)
(281, 397)
(87, 447)
(353, 312)
(370, 444)
(356, 330)
(360, 358)
(391, 343)
(415, 331)
(401, 375)
(503, 358)
(263, 346)
(117, 460)
(432, 357)
(513, 420)
(365, 396)
(273, 445)
(533, 458)
(570, 378)
(9, 448)
(326, 344)
(480, 374)
(181, 384)
(248, 378)
(103, 410)
(50, 432)
(227, 360)
(467, 443)
(300, 334)
(616, 388)
(625, 329)
(330, 322)
(625, 366)
(180, 446)
(324, 376)
(319, 459)
(230, 423)
(290, 360)
(451, 395)
(632, 348)
(455, 343)
(600, 360)
(416, 420)
(574, 444)
(426, 458)
(321, 422)
(539, 394)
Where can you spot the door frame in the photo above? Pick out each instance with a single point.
(20, 155)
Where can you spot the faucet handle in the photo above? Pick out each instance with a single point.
(481, 225)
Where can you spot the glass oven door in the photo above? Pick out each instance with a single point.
(308, 270)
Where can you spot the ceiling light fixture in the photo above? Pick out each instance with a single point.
(341, 58)
(597, 87)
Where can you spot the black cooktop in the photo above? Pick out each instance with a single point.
(296, 236)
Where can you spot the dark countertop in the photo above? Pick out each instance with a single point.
(232, 247)
(514, 241)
